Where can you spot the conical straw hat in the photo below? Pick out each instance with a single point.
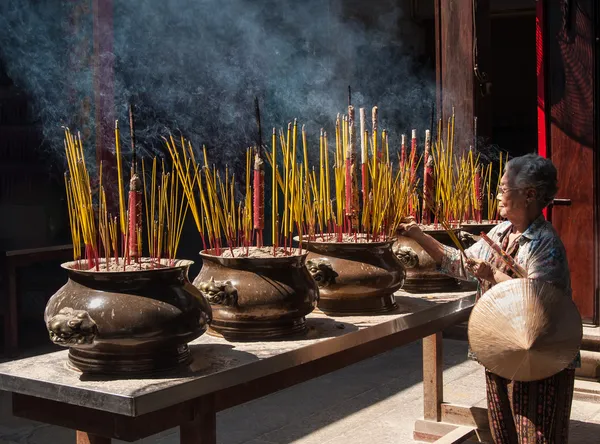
(525, 330)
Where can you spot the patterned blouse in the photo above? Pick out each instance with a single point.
(540, 251)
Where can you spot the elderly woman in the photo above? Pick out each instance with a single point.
(519, 412)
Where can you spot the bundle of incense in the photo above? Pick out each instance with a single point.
(135, 195)
(351, 180)
(259, 183)
(274, 196)
(478, 194)
(364, 156)
(427, 179)
(413, 170)
(259, 199)
(122, 210)
(105, 231)
(79, 201)
(506, 258)
(349, 158)
(445, 225)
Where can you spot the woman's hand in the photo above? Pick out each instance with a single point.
(481, 269)
(409, 227)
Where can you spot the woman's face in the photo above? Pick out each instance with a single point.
(512, 202)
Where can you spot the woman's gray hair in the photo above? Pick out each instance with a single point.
(533, 171)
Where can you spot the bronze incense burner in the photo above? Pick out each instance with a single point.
(355, 277)
(127, 322)
(255, 298)
(422, 275)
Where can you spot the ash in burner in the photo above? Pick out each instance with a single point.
(114, 266)
(257, 252)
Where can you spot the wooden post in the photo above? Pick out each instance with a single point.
(88, 438)
(202, 429)
(433, 378)
(462, 29)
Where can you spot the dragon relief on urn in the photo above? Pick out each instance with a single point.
(219, 292)
(70, 327)
(407, 256)
(322, 272)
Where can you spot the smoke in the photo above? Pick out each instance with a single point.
(195, 67)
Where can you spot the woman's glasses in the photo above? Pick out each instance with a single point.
(504, 190)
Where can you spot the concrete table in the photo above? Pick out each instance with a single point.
(222, 375)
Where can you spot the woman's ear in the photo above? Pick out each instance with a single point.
(531, 194)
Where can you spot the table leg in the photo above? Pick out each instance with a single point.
(433, 381)
(202, 429)
(88, 438)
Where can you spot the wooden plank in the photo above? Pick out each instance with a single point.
(430, 431)
(433, 371)
(454, 415)
(39, 251)
(458, 435)
(263, 386)
(476, 417)
(100, 423)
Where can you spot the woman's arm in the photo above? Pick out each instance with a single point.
(449, 260)
(434, 248)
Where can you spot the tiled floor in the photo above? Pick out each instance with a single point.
(376, 401)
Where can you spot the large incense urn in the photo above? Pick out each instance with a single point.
(257, 295)
(355, 277)
(422, 275)
(127, 322)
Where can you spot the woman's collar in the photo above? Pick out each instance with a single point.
(532, 232)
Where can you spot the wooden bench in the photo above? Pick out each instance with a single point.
(10, 261)
(222, 375)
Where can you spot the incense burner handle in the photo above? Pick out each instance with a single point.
(219, 292)
(408, 256)
(321, 271)
(466, 239)
(71, 327)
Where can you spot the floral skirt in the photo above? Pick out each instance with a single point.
(536, 412)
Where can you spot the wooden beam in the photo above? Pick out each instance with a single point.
(453, 415)
(458, 435)
(433, 382)
(464, 415)
(101, 423)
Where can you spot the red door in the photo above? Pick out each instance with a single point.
(566, 134)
